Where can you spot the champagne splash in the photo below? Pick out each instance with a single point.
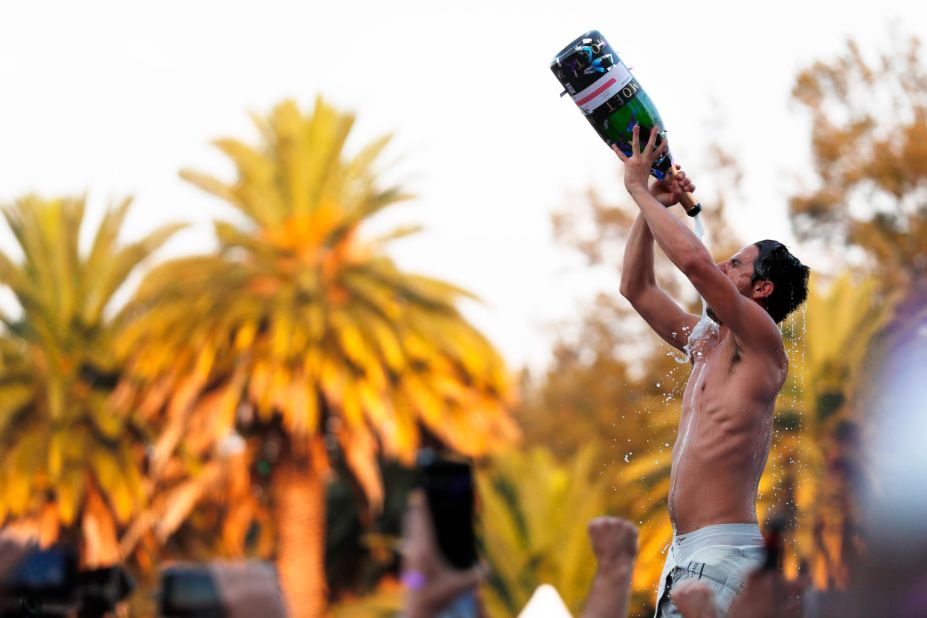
(699, 228)
(700, 233)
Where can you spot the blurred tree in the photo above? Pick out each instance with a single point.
(628, 409)
(816, 462)
(867, 204)
(869, 147)
(309, 338)
(360, 554)
(71, 464)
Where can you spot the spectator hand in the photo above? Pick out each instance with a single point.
(767, 594)
(694, 599)
(614, 542)
(430, 583)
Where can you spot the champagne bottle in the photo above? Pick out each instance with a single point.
(612, 100)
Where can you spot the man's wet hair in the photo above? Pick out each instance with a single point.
(788, 275)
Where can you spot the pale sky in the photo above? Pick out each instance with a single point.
(114, 97)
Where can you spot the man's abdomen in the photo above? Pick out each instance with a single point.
(710, 487)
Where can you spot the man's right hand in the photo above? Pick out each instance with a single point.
(669, 190)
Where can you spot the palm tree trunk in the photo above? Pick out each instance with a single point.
(298, 493)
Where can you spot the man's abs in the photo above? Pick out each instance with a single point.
(719, 455)
(705, 491)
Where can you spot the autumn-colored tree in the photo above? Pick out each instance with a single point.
(869, 147)
(306, 337)
(816, 462)
(71, 464)
(867, 204)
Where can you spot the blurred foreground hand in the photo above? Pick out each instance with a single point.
(767, 594)
(614, 543)
(694, 599)
(431, 585)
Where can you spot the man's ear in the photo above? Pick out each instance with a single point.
(762, 288)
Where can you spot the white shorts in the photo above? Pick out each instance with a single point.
(721, 556)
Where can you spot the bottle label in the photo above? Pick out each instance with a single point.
(613, 82)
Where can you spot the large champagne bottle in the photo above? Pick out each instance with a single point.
(612, 100)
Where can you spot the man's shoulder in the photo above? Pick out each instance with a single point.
(771, 359)
(762, 333)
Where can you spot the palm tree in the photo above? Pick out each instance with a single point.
(308, 338)
(70, 465)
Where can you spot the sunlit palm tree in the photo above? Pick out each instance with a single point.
(308, 338)
(70, 465)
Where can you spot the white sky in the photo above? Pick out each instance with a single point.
(114, 97)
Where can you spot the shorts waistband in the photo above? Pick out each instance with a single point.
(684, 545)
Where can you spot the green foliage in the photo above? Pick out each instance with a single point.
(533, 516)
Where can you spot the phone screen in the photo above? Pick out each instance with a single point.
(448, 486)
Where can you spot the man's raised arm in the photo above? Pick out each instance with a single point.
(744, 317)
(639, 286)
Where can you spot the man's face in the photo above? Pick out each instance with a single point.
(739, 269)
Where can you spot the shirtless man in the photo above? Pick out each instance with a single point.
(738, 367)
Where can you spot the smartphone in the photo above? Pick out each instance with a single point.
(447, 481)
(449, 490)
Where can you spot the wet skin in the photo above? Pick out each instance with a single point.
(725, 426)
(724, 432)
